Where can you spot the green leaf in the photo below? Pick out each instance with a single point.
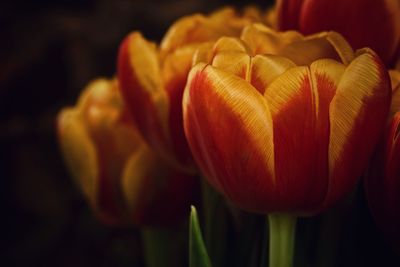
(198, 256)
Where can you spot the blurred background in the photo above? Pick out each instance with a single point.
(49, 50)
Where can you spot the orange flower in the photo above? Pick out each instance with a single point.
(289, 131)
(383, 179)
(153, 78)
(371, 23)
(122, 179)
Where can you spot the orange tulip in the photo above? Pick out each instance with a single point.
(383, 179)
(152, 78)
(371, 23)
(122, 179)
(279, 122)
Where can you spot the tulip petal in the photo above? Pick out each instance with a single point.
(358, 114)
(155, 193)
(203, 54)
(237, 63)
(186, 30)
(135, 179)
(229, 129)
(293, 104)
(229, 44)
(263, 40)
(314, 47)
(265, 68)
(140, 84)
(79, 152)
(175, 70)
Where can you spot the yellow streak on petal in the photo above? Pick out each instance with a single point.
(284, 88)
(250, 108)
(266, 68)
(341, 46)
(358, 83)
(79, 151)
(328, 68)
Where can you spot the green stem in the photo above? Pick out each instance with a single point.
(282, 229)
(215, 224)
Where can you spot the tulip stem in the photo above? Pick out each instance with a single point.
(282, 230)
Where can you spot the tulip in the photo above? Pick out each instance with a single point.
(383, 180)
(283, 124)
(123, 180)
(153, 78)
(275, 136)
(371, 23)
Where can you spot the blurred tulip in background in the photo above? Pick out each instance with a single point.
(124, 181)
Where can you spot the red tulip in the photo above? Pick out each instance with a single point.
(123, 180)
(290, 132)
(383, 179)
(153, 78)
(364, 23)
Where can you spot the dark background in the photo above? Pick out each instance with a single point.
(49, 50)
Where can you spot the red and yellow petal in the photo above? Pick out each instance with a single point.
(358, 114)
(293, 104)
(229, 129)
(142, 89)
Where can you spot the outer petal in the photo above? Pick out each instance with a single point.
(141, 87)
(382, 183)
(79, 152)
(293, 103)
(229, 129)
(358, 114)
